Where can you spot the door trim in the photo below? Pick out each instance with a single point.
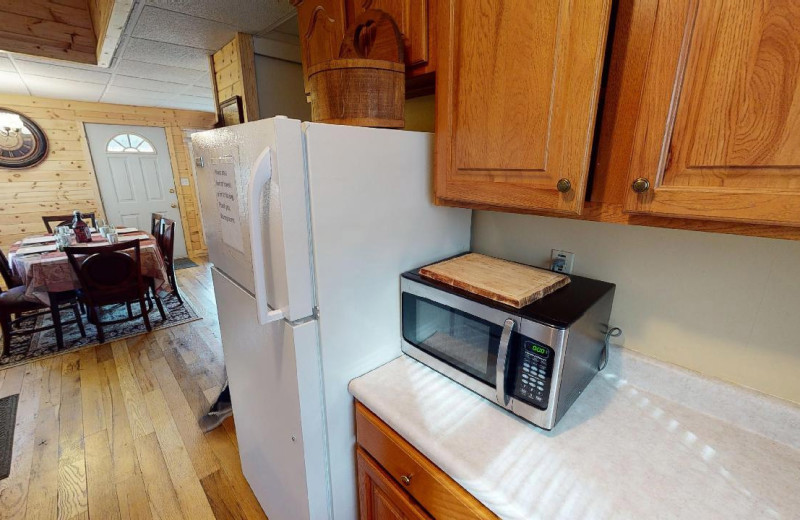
(101, 209)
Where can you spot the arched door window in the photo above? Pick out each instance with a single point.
(129, 143)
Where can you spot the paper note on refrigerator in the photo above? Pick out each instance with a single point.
(228, 205)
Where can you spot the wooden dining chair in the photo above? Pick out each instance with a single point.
(109, 276)
(66, 220)
(157, 227)
(156, 224)
(167, 246)
(16, 307)
(7, 274)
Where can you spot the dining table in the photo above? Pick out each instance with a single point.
(46, 272)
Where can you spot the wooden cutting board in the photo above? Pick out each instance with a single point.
(507, 282)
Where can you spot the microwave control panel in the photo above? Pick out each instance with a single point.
(534, 373)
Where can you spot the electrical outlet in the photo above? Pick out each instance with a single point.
(561, 261)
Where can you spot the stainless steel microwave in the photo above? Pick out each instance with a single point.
(534, 361)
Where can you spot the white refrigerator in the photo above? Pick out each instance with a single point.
(309, 227)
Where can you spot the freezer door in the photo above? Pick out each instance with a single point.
(239, 206)
(273, 373)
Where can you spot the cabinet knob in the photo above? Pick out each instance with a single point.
(640, 185)
(406, 480)
(563, 185)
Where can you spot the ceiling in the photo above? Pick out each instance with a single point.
(162, 58)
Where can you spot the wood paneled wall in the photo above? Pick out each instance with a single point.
(235, 74)
(50, 28)
(65, 180)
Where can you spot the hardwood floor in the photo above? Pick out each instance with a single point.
(110, 432)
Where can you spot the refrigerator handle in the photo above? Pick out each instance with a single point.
(262, 173)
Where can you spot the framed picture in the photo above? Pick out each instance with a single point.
(230, 112)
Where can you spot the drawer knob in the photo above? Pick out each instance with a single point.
(563, 185)
(406, 480)
(640, 185)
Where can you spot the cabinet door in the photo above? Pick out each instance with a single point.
(412, 20)
(718, 130)
(321, 24)
(380, 498)
(517, 85)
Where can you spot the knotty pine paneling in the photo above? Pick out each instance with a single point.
(66, 180)
(235, 74)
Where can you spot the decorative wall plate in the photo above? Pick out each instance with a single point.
(22, 143)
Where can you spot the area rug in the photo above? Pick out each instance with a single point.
(183, 263)
(43, 344)
(8, 420)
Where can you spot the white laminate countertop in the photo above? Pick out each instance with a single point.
(645, 440)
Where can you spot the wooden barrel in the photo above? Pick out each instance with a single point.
(358, 92)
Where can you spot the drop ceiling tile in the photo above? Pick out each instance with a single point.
(202, 92)
(245, 15)
(6, 65)
(182, 29)
(140, 69)
(162, 53)
(11, 83)
(289, 27)
(132, 96)
(51, 70)
(192, 103)
(63, 88)
(148, 84)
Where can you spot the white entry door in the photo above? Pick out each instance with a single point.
(134, 172)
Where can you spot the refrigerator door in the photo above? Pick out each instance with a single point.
(273, 373)
(372, 219)
(251, 180)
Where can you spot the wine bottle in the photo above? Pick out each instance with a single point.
(82, 232)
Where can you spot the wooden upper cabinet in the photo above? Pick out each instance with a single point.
(414, 19)
(718, 130)
(517, 86)
(321, 25)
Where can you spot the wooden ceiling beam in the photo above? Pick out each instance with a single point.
(83, 31)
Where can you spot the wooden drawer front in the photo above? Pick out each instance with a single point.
(440, 495)
(380, 497)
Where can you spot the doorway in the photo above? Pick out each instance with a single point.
(134, 173)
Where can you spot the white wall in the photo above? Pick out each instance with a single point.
(280, 89)
(724, 305)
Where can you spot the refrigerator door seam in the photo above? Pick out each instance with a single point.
(326, 443)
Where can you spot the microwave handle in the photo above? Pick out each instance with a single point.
(502, 363)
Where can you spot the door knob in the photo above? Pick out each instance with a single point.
(172, 190)
(640, 185)
(563, 185)
(173, 205)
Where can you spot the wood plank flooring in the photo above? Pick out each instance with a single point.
(110, 432)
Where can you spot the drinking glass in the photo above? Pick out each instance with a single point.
(112, 237)
(62, 241)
